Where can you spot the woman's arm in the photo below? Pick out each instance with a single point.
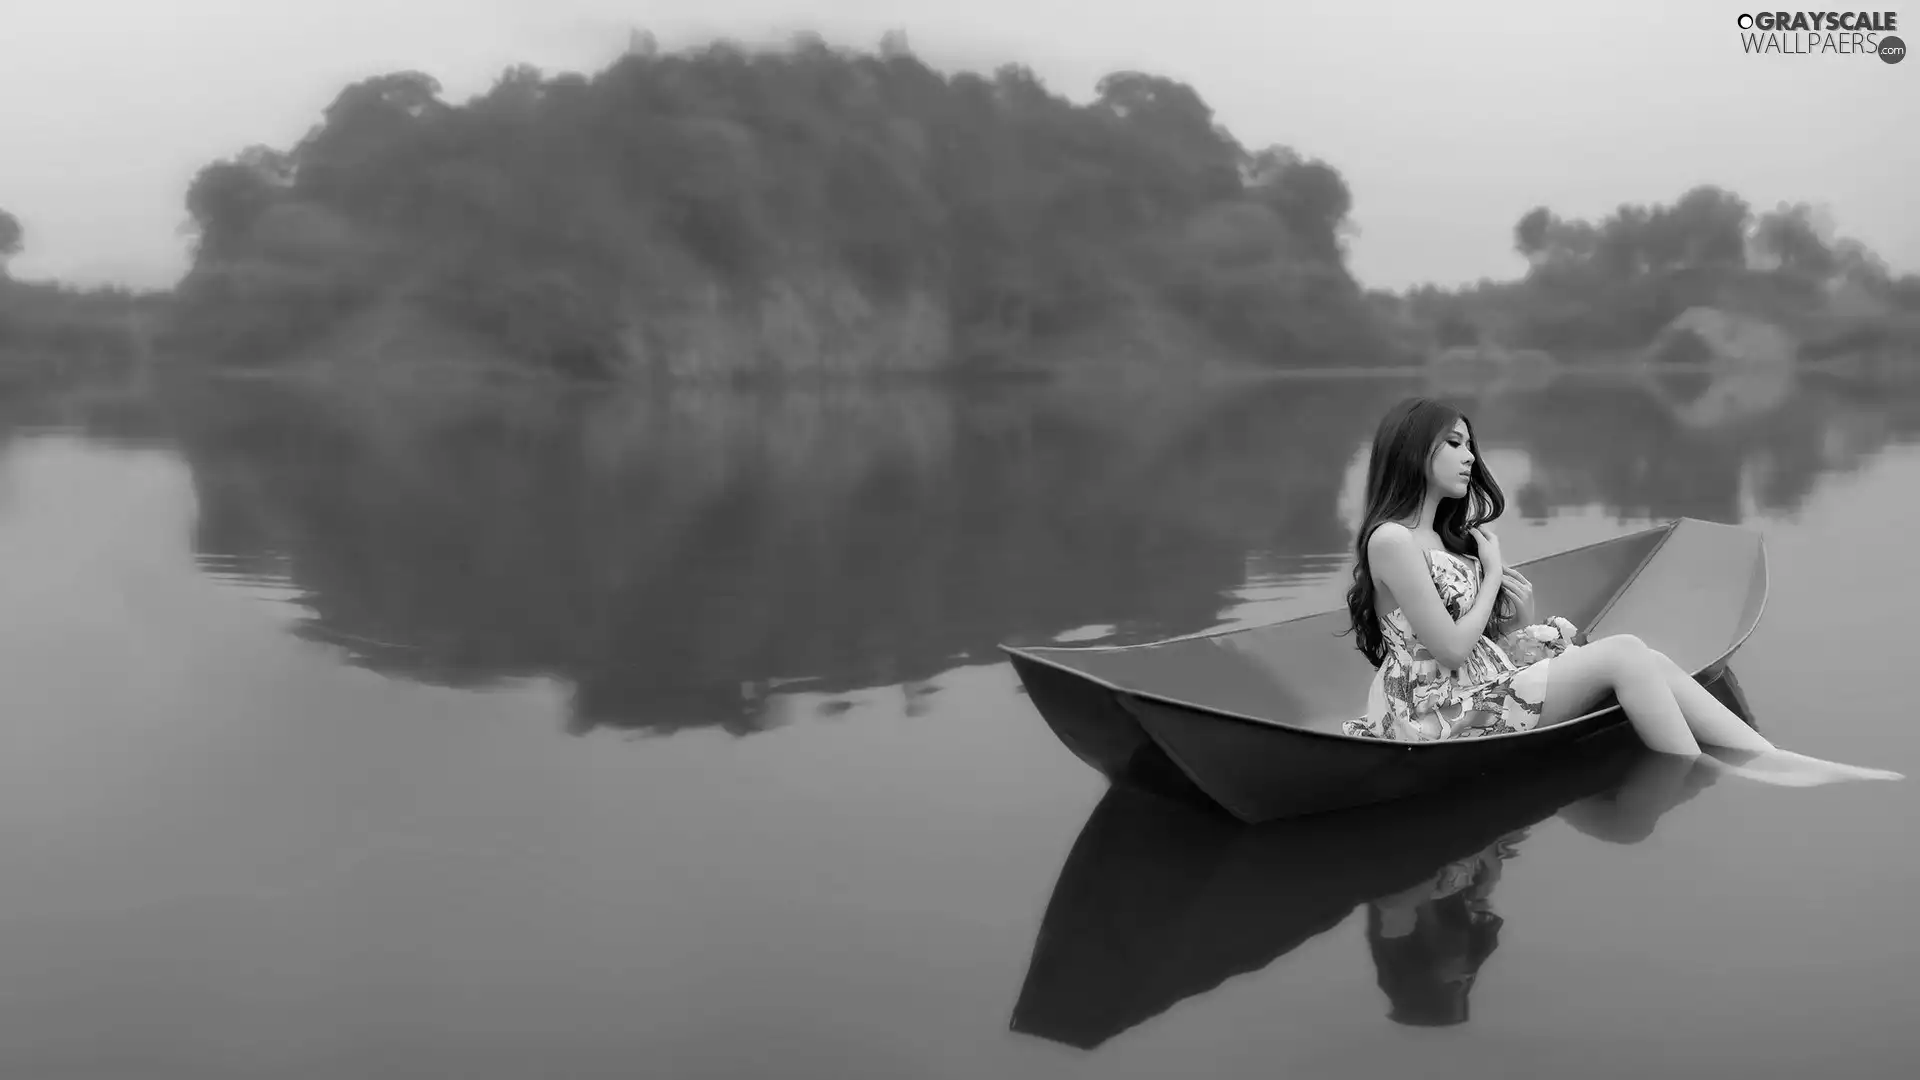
(1402, 567)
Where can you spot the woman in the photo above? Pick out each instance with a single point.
(1428, 579)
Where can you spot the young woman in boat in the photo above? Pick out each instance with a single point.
(1452, 630)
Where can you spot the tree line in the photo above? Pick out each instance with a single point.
(584, 223)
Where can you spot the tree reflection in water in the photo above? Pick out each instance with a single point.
(682, 559)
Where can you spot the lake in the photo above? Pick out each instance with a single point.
(402, 735)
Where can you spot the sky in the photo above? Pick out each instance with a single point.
(1448, 120)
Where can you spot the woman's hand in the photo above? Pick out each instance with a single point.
(1521, 590)
(1492, 565)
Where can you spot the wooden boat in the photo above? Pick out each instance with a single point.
(1163, 900)
(1252, 716)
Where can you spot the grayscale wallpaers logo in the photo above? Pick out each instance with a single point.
(1818, 33)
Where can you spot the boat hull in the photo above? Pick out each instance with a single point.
(1258, 772)
(1090, 721)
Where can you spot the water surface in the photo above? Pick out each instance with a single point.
(378, 736)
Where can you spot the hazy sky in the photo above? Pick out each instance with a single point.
(1448, 120)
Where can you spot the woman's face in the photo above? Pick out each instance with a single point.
(1452, 462)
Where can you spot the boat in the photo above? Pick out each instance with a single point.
(1251, 716)
(1162, 899)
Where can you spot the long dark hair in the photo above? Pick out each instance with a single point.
(1403, 444)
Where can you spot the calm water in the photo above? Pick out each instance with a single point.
(379, 738)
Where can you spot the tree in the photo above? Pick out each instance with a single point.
(1627, 243)
(1172, 132)
(1904, 293)
(1859, 265)
(1707, 226)
(1309, 195)
(371, 140)
(227, 197)
(1530, 232)
(11, 237)
(1788, 236)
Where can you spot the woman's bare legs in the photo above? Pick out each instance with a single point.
(1673, 714)
(1579, 677)
(1716, 725)
(1707, 716)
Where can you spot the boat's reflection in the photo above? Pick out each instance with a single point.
(1164, 898)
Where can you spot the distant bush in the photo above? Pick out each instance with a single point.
(1615, 283)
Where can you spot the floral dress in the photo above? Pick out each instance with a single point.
(1489, 694)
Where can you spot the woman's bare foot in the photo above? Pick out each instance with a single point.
(1790, 769)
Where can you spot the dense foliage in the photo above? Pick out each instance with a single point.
(586, 222)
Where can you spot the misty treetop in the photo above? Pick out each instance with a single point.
(601, 225)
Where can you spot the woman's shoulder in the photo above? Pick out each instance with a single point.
(1389, 536)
